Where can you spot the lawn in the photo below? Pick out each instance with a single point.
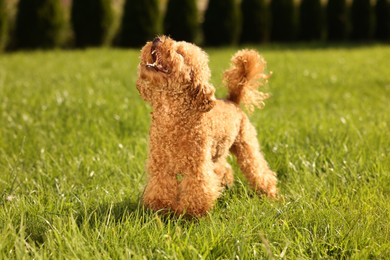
(73, 145)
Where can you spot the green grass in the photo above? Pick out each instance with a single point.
(73, 145)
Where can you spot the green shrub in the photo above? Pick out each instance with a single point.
(222, 22)
(283, 20)
(382, 14)
(361, 20)
(140, 22)
(337, 20)
(181, 20)
(92, 22)
(310, 20)
(255, 17)
(39, 24)
(3, 25)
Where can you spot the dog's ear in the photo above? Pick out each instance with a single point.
(202, 97)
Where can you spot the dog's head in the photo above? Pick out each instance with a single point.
(177, 68)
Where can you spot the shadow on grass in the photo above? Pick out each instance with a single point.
(110, 212)
(35, 224)
(116, 213)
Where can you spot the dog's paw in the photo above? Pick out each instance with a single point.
(268, 186)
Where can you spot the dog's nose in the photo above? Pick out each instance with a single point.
(156, 40)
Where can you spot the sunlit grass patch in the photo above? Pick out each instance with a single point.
(73, 145)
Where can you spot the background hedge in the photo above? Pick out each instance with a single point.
(181, 20)
(39, 24)
(3, 25)
(283, 20)
(382, 14)
(255, 21)
(92, 22)
(141, 21)
(222, 23)
(311, 20)
(362, 20)
(337, 20)
(30, 24)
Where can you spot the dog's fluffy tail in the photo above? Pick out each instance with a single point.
(244, 77)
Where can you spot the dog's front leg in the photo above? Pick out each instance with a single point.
(198, 185)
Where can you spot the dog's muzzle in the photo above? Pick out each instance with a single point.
(155, 42)
(156, 66)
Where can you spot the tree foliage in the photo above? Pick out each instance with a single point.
(311, 20)
(337, 20)
(92, 22)
(181, 20)
(382, 13)
(40, 24)
(255, 17)
(140, 22)
(3, 25)
(283, 20)
(222, 22)
(362, 20)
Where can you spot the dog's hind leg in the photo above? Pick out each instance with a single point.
(251, 161)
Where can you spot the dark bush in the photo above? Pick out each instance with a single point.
(255, 17)
(39, 24)
(337, 20)
(283, 20)
(311, 20)
(222, 22)
(140, 22)
(382, 14)
(361, 20)
(3, 25)
(92, 22)
(181, 20)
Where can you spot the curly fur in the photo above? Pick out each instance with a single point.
(192, 132)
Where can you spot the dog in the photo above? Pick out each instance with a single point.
(192, 132)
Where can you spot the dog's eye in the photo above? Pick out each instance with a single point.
(180, 53)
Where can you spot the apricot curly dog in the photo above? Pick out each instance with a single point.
(192, 132)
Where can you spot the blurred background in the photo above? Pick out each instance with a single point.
(45, 24)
